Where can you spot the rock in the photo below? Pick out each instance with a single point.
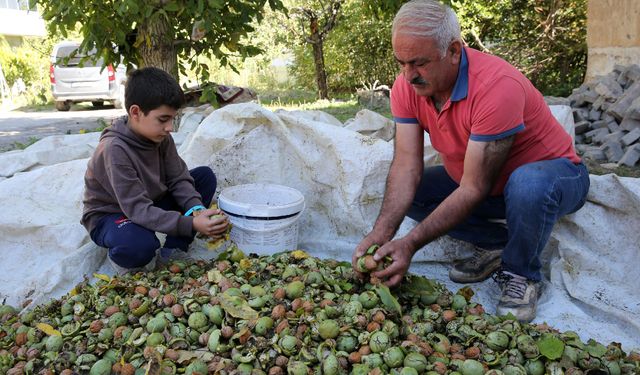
(621, 106)
(606, 113)
(608, 88)
(631, 156)
(634, 109)
(631, 137)
(613, 151)
(557, 100)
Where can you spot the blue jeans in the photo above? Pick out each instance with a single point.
(131, 245)
(535, 197)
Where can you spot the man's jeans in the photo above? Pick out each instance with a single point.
(535, 197)
(131, 245)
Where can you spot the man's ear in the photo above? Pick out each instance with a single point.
(455, 49)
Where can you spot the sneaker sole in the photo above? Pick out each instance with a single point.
(463, 278)
(520, 315)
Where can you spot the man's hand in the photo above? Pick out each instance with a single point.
(211, 223)
(372, 238)
(401, 253)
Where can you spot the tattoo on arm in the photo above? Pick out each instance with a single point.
(500, 146)
(496, 154)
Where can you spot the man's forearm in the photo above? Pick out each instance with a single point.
(401, 186)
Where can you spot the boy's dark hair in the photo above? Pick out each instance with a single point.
(150, 88)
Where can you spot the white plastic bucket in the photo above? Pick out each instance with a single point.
(264, 217)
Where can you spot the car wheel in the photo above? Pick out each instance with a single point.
(98, 103)
(63, 106)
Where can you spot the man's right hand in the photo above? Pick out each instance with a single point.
(211, 223)
(372, 238)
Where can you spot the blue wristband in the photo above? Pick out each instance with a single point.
(193, 209)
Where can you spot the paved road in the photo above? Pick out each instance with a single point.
(23, 127)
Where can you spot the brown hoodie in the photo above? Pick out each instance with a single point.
(127, 173)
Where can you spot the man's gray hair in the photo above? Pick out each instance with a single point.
(427, 18)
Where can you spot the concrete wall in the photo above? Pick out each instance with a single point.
(613, 35)
(21, 23)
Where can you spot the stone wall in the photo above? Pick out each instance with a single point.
(613, 35)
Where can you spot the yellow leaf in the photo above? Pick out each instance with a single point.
(237, 307)
(245, 263)
(74, 292)
(214, 276)
(186, 356)
(49, 330)
(215, 244)
(299, 254)
(102, 277)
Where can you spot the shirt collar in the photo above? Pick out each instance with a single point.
(461, 88)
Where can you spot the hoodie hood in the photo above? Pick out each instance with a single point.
(120, 128)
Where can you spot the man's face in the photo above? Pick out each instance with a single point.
(154, 126)
(423, 65)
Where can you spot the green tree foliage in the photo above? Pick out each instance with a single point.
(28, 62)
(545, 39)
(360, 50)
(157, 32)
(308, 26)
(17, 63)
(356, 52)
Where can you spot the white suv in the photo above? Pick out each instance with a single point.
(89, 82)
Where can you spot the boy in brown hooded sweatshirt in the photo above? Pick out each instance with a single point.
(136, 184)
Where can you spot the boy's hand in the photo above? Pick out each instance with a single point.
(211, 223)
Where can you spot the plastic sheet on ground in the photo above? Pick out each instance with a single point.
(592, 258)
(48, 151)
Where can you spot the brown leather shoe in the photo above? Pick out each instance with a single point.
(477, 267)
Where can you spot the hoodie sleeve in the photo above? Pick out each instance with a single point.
(134, 200)
(178, 179)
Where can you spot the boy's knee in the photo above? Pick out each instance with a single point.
(136, 253)
(202, 170)
(205, 183)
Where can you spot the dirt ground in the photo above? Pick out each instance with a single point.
(606, 168)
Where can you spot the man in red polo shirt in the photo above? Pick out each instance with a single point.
(505, 158)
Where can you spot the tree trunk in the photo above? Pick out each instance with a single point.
(318, 59)
(157, 48)
(321, 72)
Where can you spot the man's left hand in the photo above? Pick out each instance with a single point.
(401, 253)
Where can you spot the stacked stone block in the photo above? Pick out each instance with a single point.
(606, 111)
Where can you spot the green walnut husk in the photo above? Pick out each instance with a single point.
(367, 264)
(284, 313)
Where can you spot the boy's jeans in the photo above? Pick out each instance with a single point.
(535, 197)
(131, 245)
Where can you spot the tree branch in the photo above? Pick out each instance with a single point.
(334, 9)
(476, 37)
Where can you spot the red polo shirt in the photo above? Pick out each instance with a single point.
(490, 100)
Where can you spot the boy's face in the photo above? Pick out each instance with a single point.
(154, 126)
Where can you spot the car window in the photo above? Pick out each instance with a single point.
(67, 56)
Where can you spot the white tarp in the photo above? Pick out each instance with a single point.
(592, 255)
(48, 151)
